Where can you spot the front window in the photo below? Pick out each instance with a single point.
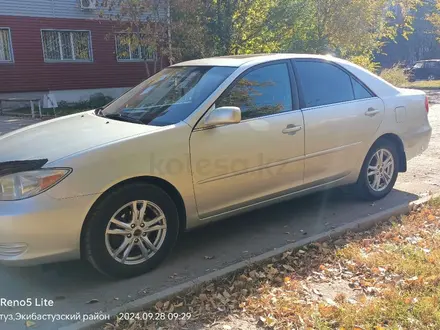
(169, 96)
(418, 65)
(262, 92)
(66, 45)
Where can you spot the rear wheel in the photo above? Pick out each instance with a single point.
(131, 230)
(431, 77)
(379, 171)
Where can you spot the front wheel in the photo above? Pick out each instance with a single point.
(131, 230)
(379, 171)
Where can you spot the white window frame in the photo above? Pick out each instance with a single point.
(10, 46)
(73, 48)
(129, 50)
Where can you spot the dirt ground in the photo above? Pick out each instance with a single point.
(423, 174)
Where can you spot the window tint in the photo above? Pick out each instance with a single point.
(323, 83)
(360, 92)
(430, 65)
(261, 92)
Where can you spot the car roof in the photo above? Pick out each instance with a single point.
(378, 85)
(434, 60)
(239, 60)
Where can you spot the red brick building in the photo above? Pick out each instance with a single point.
(58, 47)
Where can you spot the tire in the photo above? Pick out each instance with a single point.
(431, 77)
(99, 245)
(365, 183)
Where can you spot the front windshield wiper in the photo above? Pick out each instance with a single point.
(122, 118)
(98, 111)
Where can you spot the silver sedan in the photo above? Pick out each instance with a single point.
(200, 141)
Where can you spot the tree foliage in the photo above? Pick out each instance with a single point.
(354, 29)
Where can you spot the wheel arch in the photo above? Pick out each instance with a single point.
(161, 183)
(397, 141)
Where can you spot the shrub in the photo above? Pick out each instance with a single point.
(95, 101)
(98, 100)
(366, 62)
(395, 75)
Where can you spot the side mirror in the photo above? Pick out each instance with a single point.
(223, 116)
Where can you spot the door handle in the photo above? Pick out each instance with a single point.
(291, 129)
(372, 112)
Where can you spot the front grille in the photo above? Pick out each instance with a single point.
(12, 249)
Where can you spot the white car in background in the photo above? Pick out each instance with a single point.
(200, 141)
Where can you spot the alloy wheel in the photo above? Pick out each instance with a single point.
(135, 232)
(380, 170)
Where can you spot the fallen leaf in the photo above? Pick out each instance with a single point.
(289, 268)
(253, 274)
(315, 291)
(331, 302)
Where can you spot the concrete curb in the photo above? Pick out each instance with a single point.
(358, 225)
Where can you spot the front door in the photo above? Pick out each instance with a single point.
(340, 115)
(261, 157)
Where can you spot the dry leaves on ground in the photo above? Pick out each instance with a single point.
(387, 277)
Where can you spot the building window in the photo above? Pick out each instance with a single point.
(5, 46)
(67, 46)
(129, 48)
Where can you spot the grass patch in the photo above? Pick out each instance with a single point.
(397, 77)
(388, 277)
(422, 84)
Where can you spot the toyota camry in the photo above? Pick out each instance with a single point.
(197, 142)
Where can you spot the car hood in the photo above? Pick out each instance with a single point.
(59, 138)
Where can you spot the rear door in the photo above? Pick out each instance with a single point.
(341, 116)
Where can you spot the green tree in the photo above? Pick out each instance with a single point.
(353, 29)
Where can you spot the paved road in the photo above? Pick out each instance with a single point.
(73, 284)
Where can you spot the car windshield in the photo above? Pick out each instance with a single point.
(418, 65)
(169, 96)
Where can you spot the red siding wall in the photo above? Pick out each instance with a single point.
(29, 72)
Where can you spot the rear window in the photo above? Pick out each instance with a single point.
(323, 83)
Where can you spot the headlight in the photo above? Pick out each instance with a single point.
(27, 184)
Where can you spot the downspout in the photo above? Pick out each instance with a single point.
(170, 48)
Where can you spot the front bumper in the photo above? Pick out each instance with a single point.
(42, 229)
